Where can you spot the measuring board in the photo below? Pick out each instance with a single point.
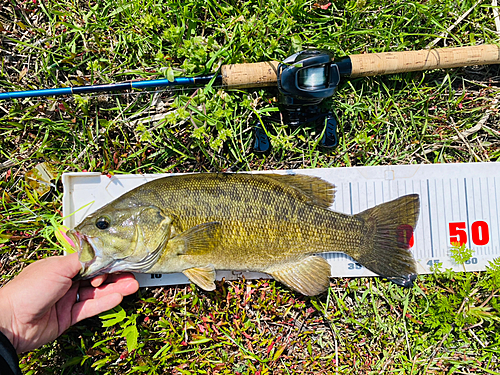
(458, 203)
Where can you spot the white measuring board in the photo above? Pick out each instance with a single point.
(458, 203)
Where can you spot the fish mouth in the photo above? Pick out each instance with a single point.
(89, 255)
(94, 263)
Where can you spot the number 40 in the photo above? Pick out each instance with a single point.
(479, 232)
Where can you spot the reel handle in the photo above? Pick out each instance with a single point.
(372, 64)
(248, 75)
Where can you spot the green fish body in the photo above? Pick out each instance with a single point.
(276, 224)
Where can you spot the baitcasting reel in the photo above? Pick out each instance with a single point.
(304, 80)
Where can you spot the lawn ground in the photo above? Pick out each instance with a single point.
(447, 324)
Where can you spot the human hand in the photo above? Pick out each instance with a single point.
(39, 304)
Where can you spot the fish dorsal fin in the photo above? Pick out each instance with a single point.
(318, 191)
(199, 239)
(309, 276)
(204, 277)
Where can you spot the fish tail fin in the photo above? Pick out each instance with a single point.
(388, 236)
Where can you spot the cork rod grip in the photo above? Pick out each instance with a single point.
(250, 75)
(372, 64)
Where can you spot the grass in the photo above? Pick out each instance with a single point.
(447, 324)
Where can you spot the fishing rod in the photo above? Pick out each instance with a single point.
(303, 80)
(111, 87)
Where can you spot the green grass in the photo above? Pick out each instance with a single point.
(447, 324)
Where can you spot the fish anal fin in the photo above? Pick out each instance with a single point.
(197, 240)
(204, 277)
(317, 190)
(309, 276)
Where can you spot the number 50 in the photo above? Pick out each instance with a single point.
(479, 232)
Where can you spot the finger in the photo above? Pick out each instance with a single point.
(114, 277)
(66, 266)
(91, 307)
(98, 280)
(125, 286)
(108, 279)
(63, 308)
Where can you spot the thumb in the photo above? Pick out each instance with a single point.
(66, 266)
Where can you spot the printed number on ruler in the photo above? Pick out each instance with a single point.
(353, 266)
(479, 232)
(433, 262)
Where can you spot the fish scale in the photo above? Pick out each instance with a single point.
(309, 229)
(200, 223)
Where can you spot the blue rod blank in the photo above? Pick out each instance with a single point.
(121, 86)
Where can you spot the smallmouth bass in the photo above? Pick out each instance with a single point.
(276, 224)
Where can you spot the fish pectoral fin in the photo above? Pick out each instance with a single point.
(309, 276)
(196, 240)
(204, 277)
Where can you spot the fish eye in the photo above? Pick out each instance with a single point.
(102, 223)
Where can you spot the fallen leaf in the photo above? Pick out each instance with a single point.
(39, 178)
(23, 73)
